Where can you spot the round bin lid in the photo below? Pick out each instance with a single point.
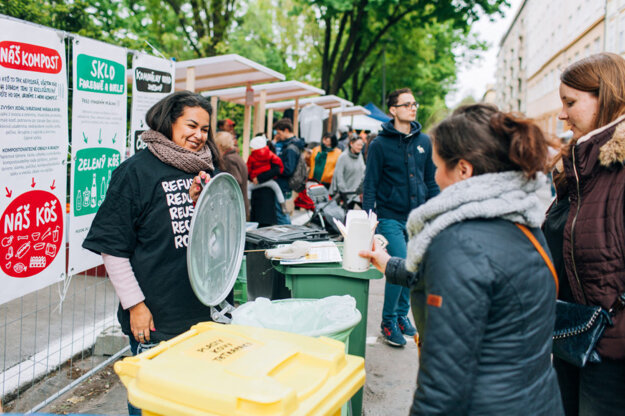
(216, 239)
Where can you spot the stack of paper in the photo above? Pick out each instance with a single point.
(319, 252)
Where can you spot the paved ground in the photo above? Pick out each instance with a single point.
(391, 372)
(391, 375)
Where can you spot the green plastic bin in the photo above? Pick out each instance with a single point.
(314, 281)
(333, 317)
(240, 285)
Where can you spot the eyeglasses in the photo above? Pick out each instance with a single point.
(408, 105)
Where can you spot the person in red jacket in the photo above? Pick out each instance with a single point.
(262, 160)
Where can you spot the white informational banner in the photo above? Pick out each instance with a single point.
(152, 79)
(98, 138)
(33, 158)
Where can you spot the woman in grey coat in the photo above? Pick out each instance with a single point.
(349, 172)
(482, 296)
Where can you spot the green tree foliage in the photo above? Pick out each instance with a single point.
(258, 36)
(421, 58)
(339, 45)
(353, 30)
(137, 24)
(268, 32)
(204, 23)
(182, 29)
(69, 16)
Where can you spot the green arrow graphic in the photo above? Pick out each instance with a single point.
(84, 137)
(100, 137)
(114, 138)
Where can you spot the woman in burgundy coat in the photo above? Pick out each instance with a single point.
(585, 226)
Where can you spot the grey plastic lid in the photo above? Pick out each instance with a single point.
(216, 239)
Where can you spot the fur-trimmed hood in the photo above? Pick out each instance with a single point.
(611, 141)
(613, 152)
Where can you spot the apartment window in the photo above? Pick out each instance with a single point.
(518, 105)
(597, 45)
(520, 85)
(587, 51)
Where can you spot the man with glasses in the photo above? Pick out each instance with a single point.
(399, 177)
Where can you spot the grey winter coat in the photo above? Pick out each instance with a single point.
(348, 173)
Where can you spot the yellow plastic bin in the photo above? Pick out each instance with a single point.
(233, 370)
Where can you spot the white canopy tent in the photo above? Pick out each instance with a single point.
(357, 118)
(328, 102)
(361, 122)
(218, 72)
(259, 96)
(222, 71)
(325, 101)
(351, 111)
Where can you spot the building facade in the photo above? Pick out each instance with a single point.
(510, 85)
(554, 34)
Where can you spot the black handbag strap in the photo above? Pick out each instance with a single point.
(618, 305)
(542, 253)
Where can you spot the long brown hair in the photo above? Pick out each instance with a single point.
(492, 141)
(603, 75)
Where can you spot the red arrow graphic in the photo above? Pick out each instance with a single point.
(32, 185)
(53, 186)
(9, 192)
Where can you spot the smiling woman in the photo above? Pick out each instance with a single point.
(141, 230)
(190, 130)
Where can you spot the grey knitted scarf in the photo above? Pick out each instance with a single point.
(171, 154)
(506, 195)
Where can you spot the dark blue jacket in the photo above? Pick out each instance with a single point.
(289, 159)
(484, 304)
(400, 173)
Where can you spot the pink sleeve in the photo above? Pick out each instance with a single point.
(123, 280)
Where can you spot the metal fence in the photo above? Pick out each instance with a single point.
(53, 328)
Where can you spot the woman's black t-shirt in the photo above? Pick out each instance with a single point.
(146, 217)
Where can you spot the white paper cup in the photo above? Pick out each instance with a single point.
(359, 237)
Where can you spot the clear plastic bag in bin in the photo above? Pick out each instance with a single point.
(312, 317)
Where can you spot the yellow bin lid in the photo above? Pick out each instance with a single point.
(236, 370)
